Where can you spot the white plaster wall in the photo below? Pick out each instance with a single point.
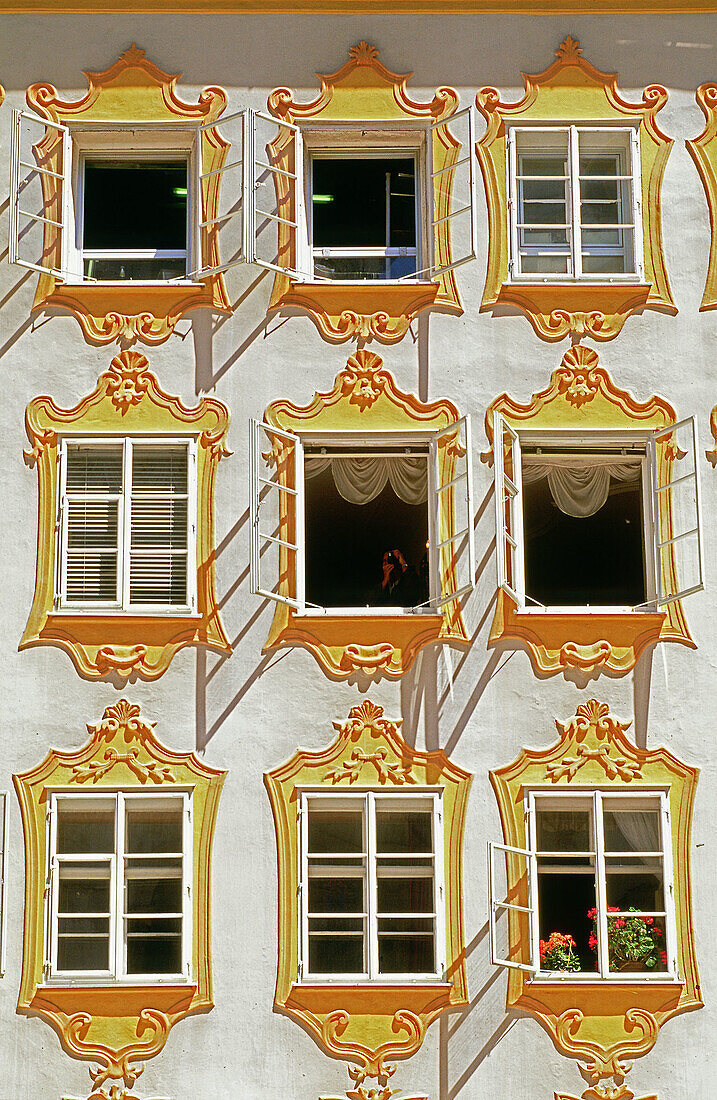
(249, 714)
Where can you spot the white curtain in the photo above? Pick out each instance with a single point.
(640, 828)
(359, 480)
(582, 490)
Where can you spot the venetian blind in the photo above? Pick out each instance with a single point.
(93, 495)
(158, 539)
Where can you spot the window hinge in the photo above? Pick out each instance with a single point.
(46, 971)
(511, 265)
(301, 970)
(55, 602)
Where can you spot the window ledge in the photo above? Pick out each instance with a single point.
(376, 309)
(557, 309)
(601, 983)
(119, 613)
(378, 985)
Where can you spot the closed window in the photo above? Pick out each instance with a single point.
(574, 203)
(119, 903)
(127, 526)
(599, 897)
(371, 886)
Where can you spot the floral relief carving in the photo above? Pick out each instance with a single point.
(386, 772)
(363, 379)
(96, 769)
(128, 379)
(575, 375)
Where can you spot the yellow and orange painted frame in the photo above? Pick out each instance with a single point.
(572, 91)
(369, 1023)
(703, 150)
(599, 1023)
(364, 91)
(127, 400)
(365, 398)
(132, 90)
(115, 1026)
(581, 396)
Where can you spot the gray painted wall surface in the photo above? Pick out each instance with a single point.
(249, 714)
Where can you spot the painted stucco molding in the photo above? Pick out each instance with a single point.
(572, 91)
(116, 1026)
(369, 1025)
(364, 90)
(581, 396)
(132, 90)
(365, 398)
(127, 401)
(703, 150)
(711, 454)
(602, 1024)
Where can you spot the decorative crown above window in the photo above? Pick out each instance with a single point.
(373, 203)
(155, 162)
(125, 548)
(573, 176)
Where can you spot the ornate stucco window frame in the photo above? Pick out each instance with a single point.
(581, 398)
(598, 1022)
(573, 92)
(703, 150)
(127, 402)
(115, 1025)
(364, 401)
(369, 1022)
(132, 97)
(365, 105)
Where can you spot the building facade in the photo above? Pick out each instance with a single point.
(360, 427)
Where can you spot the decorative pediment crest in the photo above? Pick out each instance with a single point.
(133, 90)
(364, 92)
(582, 396)
(572, 91)
(368, 1025)
(364, 398)
(603, 1025)
(127, 401)
(116, 1027)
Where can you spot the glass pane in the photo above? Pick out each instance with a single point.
(154, 947)
(405, 895)
(595, 165)
(154, 895)
(85, 831)
(635, 882)
(406, 947)
(159, 468)
(365, 267)
(83, 953)
(535, 238)
(336, 895)
(153, 830)
(83, 888)
(544, 265)
(335, 831)
(605, 265)
(94, 469)
(563, 830)
(336, 954)
(118, 270)
(636, 944)
(135, 204)
(631, 830)
(404, 831)
(158, 578)
(364, 202)
(159, 521)
(92, 524)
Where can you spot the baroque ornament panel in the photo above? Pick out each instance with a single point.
(125, 642)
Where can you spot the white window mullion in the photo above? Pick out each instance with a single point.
(669, 884)
(303, 899)
(125, 526)
(575, 215)
(192, 520)
(51, 891)
(636, 189)
(371, 885)
(118, 893)
(515, 260)
(531, 833)
(61, 541)
(600, 886)
(440, 900)
(187, 885)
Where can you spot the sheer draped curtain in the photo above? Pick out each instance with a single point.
(580, 490)
(361, 479)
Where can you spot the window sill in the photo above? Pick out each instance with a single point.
(590, 982)
(585, 307)
(162, 614)
(374, 309)
(376, 984)
(363, 613)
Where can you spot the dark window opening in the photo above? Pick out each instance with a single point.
(362, 204)
(346, 543)
(598, 560)
(132, 206)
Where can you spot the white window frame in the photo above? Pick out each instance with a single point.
(368, 799)
(370, 444)
(122, 604)
(596, 797)
(4, 826)
(574, 224)
(117, 972)
(643, 446)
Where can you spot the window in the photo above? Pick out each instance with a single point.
(119, 904)
(126, 519)
(373, 886)
(574, 202)
(370, 529)
(599, 882)
(597, 524)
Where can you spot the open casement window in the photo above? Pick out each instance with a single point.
(362, 521)
(512, 916)
(575, 203)
(126, 523)
(574, 200)
(131, 147)
(374, 201)
(597, 888)
(275, 184)
(4, 820)
(371, 891)
(581, 526)
(120, 875)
